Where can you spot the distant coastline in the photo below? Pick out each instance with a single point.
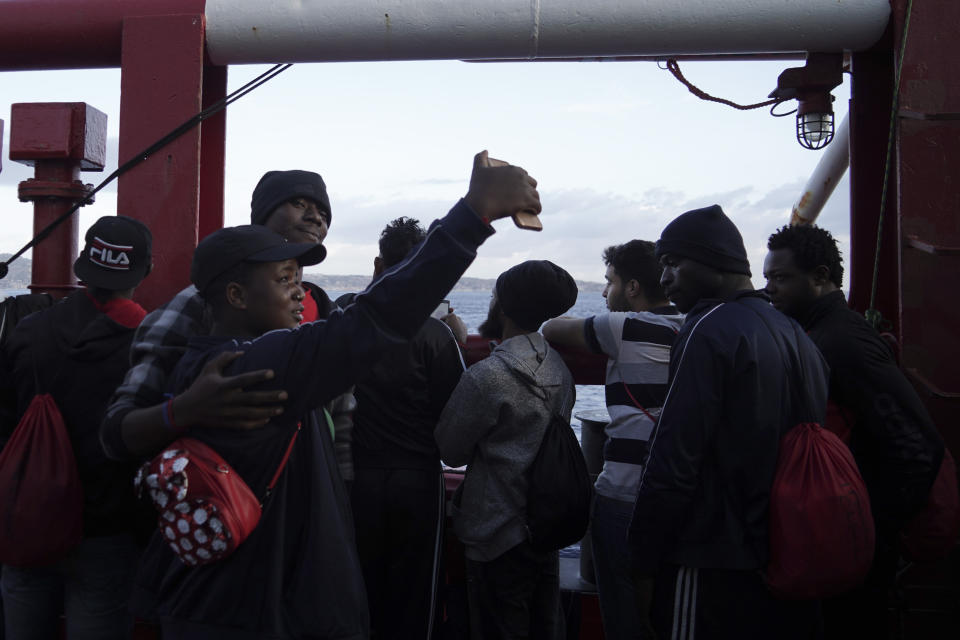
(19, 278)
(19, 275)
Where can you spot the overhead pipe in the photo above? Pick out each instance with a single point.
(51, 34)
(250, 31)
(828, 172)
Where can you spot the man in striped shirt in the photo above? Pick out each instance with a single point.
(636, 336)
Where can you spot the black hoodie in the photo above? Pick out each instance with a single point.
(81, 355)
(893, 438)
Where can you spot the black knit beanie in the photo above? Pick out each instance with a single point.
(708, 236)
(535, 291)
(276, 187)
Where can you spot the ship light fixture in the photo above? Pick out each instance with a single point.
(810, 86)
(815, 121)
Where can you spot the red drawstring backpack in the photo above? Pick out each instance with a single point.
(821, 528)
(42, 516)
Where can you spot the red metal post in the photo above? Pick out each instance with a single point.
(870, 103)
(213, 152)
(928, 148)
(161, 87)
(59, 139)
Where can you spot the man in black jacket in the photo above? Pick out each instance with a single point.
(741, 375)
(893, 439)
(398, 488)
(77, 350)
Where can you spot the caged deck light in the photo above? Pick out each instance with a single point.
(810, 86)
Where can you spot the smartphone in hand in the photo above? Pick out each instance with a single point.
(525, 219)
(442, 310)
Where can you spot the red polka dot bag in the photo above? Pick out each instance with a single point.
(205, 508)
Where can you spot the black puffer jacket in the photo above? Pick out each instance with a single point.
(741, 375)
(893, 439)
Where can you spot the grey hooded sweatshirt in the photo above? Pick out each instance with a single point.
(494, 422)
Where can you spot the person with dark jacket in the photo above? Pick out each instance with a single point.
(298, 575)
(398, 490)
(494, 423)
(873, 407)
(740, 376)
(292, 203)
(77, 350)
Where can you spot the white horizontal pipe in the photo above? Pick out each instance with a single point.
(253, 31)
(828, 172)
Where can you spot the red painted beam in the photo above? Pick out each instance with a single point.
(161, 87)
(73, 34)
(870, 103)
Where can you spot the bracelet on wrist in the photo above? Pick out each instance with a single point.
(167, 414)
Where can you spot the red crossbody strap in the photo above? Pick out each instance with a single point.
(283, 463)
(637, 404)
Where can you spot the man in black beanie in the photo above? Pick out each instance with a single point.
(293, 204)
(293, 201)
(699, 526)
(495, 420)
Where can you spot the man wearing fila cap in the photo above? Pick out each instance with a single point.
(293, 204)
(78, 351)
(699, 526)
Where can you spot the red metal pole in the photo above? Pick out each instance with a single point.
(870, 103)
(213, 153)
(161, 87)
(59, 139)
(53, 191)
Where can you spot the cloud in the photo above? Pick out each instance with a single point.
(578, 225)
(605, 107)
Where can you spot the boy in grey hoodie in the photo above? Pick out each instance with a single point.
(494, 422)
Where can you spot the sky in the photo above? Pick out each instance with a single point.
(618, 148)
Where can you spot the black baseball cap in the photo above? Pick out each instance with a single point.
(226, 248)
(117, 254)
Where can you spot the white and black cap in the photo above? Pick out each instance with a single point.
(117, 254)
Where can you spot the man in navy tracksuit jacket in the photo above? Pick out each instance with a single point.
(297, 575)
(741, 375)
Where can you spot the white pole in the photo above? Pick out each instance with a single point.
(253, 31)
(833, 164)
